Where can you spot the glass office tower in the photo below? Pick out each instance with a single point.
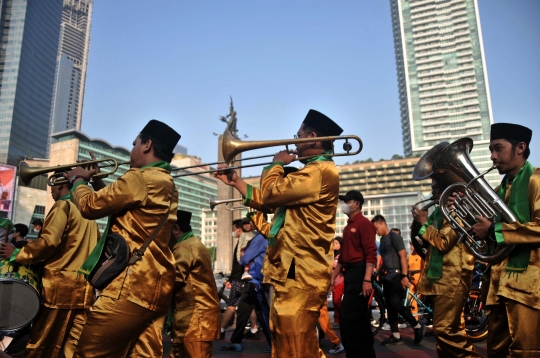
(29, 32)
(442, 77)
(72, 64)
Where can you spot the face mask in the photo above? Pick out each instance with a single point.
(233, 235)
(345, 208)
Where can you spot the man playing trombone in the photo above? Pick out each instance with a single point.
(299, 256)
(514, 293)
(128, 316)
(447, 273)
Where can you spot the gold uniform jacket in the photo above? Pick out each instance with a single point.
(310, 196)
(525, 287)
(137, 202)
(456, 258)
(64, 244)
(196, 304)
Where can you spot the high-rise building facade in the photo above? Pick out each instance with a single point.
(67, 104)
(442, 77)
(29, 33)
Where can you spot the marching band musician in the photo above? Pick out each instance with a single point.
(514, 293)
(64, 244)
(196, 304)
(300, 256)
(446, 276)
(128, 316)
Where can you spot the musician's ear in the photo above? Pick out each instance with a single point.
(520, 148)
(147, 146)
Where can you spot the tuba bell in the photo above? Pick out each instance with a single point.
(476, 198)
(424, 170)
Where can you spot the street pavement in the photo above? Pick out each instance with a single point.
(252, 348)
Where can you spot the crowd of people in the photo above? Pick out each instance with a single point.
(282, 271)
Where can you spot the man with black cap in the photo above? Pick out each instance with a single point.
(61, 248)
(357, 260)
(299, 256)
(514, 293)
(447, 272)
(128, 316)
(195, 323)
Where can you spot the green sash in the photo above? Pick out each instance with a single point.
(436, 261)
(520, 206)
(184, 237)
(279, 217)
(93, 259)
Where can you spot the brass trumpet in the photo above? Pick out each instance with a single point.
(27, 173)
(231, 147)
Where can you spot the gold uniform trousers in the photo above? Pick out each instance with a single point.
(200, 349)
(514, 330)
(449, 322)
(120, 328)
(50, 332)
(293, 322)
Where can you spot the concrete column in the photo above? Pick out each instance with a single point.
(224, 241)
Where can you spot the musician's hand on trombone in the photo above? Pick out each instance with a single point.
(481, 228)
(285, 157)
(6, 250)
(78, 173)
(97, 182)
(228, 176)
(420, 216)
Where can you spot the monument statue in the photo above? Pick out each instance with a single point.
(224, 241)
(230, 119)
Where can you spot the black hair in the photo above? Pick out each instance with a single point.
(22, 229)
(515, 143)
(160, 150)
(37, 222)
(237, 223)
(396, 230)
(378, 218)
(327, 145)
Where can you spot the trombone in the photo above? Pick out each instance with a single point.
(27, 173)
(231, 147)
(213, 202)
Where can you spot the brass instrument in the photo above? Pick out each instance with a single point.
(27, 173)
(423, 170)
(213, 202)
(476, 198)
(231, 147)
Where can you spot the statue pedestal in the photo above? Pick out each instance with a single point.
(224, 242)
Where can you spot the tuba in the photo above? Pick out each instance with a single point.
(476, 198)
(424, 170)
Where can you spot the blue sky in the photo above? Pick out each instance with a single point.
(179, 61)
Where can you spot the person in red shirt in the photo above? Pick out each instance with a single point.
(357, 260)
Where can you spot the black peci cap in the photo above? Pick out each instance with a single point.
(162, 132)
(322, 123)
(511, 131)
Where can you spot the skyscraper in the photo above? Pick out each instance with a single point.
(67, 105)
(29, 31)
(442, 77)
